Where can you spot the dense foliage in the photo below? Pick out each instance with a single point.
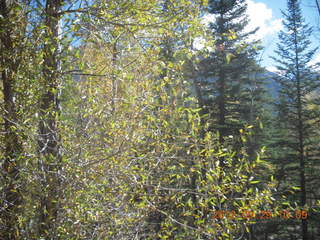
(110, 129)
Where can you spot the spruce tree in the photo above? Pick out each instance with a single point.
(297, 82)
(227, 81)
(231, 90)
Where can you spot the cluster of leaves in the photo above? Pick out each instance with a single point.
(133, 162)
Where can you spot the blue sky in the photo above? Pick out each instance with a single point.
(267, 15)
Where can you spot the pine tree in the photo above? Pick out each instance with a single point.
(230, 85)
(297, 82)
(227, 77)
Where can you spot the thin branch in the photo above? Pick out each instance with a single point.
(79, 73)
(318, 6)
(80, 10)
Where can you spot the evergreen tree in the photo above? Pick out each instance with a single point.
(297, 81)
(228, 82)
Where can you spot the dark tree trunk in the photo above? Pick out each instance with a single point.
(222, 105)
(49, 146)
(9, 62)
(301, 139)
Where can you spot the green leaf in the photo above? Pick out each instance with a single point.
(229, 56)
(254, 182)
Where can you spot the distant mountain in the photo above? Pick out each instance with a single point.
(270, 83)
(273, 85)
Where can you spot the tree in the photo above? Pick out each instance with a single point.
(297, 81)
(120, 152)
(226, 71)
(49, 138)
(13, 24)
(231, 85)
(318, 6)
(139, 158)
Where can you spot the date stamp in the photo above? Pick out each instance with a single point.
(263, 214)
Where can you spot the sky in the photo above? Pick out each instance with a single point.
(266, 14)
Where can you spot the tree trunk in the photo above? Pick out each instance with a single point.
(9, 62)
(49, 146)
(301, 139)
